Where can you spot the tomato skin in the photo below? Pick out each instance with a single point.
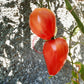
(42, 22)
(55, 54)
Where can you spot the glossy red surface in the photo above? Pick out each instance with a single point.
(55, 54)
(42, 22)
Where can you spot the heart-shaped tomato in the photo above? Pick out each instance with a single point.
(42, 22)
(55, 54)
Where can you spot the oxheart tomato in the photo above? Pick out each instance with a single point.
(55, 54)
(42, 22)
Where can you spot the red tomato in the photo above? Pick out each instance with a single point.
(42, 22)
(55, 54)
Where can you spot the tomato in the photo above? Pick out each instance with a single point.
(42, 22)
(55, 54)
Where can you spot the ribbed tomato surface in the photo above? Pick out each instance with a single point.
(55, 54)
(42, 22)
